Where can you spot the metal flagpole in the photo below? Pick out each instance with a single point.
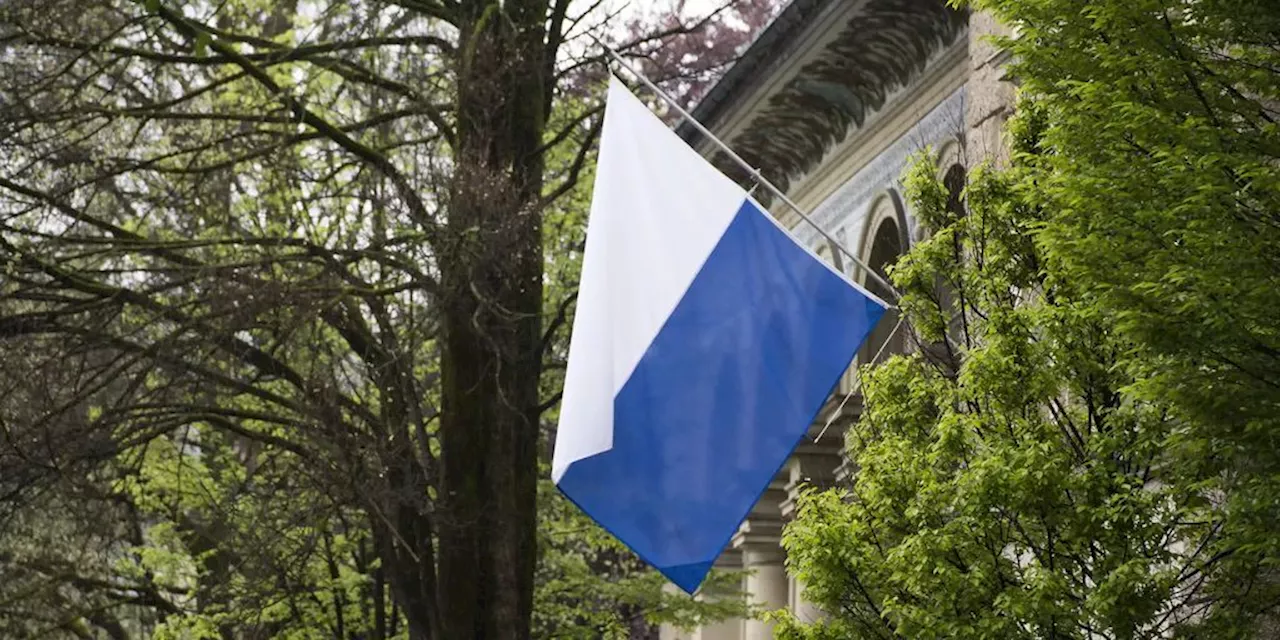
(755, 173)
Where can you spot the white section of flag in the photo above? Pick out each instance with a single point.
(657, 211)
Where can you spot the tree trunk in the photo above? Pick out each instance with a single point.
(492, 280)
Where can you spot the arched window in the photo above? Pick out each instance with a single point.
(954, 180)
(886, 246)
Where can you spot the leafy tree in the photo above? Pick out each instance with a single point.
(590, 586)
(1157, 138)
(1084, 443)
(281, 282)
(1005, 487)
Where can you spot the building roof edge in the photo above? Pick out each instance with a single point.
(780, 33)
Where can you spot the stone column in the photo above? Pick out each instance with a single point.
(727, 630)
(759, 539)
(802, 609)
(767, 584)
(668, 632)
(814, 464)
(729, 560)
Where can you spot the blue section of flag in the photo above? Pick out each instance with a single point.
(721, 397)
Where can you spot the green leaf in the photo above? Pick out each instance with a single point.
(202, 44)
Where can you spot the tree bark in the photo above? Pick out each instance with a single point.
(492, 280)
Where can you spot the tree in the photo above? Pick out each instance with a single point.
(1157, 142)
(591, 586)
(1005, 487)
(689, 61)
(1082, 442)
(274, 313)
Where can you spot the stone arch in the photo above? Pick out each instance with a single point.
(886, 213)
(950, 153)
(885, 239)
(885, 206)
(949, 159)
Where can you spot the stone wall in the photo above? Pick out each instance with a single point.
(990, 93)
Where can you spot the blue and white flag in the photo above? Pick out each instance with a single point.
(705, 341)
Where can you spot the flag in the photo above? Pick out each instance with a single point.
(705, 341)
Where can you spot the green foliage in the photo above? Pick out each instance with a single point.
(1084, 445)
(1004, 484)
(1156, 138)
(180, 489)
(591, 586)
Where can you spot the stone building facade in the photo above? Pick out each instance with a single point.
(831, 103)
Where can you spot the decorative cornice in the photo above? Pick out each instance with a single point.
(766, 51)
(882, 46)
(846, 207)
